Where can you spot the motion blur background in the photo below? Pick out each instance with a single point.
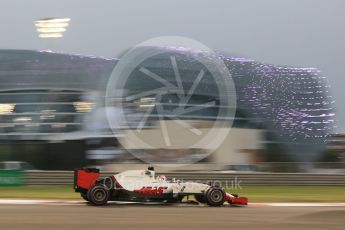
(286, 60)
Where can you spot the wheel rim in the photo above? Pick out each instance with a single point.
(99, 195)
(216, 196)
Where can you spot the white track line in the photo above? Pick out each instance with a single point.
(81, 202)
(41, 202)
(295, 204)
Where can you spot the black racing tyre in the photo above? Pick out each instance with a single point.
(84, 196)
(98, 194)
(200, 198)
(215, 196)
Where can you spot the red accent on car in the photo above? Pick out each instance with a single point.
(239, 200)
(236, 200)
(150, 190)
(86, 178)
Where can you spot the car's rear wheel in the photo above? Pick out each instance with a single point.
(84, 196)
(215, 196)
(98, 194)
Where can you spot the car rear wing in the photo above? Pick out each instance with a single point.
(84, 178)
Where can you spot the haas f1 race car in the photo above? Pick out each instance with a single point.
(145, 186)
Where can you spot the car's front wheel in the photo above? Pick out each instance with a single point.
(215, 196)
(98, 194)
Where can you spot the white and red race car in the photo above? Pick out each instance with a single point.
(145, 186)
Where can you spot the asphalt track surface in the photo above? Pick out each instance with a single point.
(135, 216)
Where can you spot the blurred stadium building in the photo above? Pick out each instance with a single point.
(52, 111)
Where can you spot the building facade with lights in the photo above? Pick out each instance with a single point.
(52, 103)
